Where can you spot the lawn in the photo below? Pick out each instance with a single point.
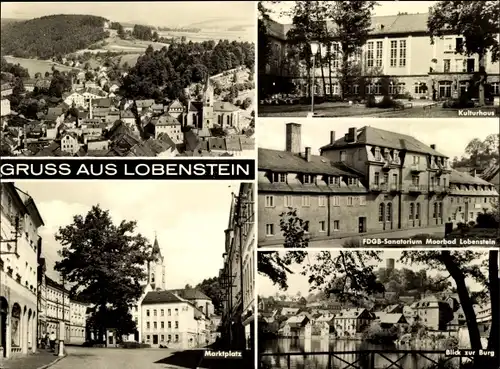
(37, 66)
(340, 109)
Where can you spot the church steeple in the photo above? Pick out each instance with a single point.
(156, 268)
(156, 252)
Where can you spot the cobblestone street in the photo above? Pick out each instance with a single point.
(113, 358)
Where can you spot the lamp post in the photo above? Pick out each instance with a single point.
(314, 50)
(62, 334)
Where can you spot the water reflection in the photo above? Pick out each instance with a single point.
(339, 361)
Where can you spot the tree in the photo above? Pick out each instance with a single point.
(103, 262)
(120, 31)
(477, 22)
(294, 229)
(353, 25)
(18, 88)
(213, 289)
(461, 265)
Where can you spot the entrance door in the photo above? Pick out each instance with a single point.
(136, 336)
(362, 224)
(155, 339)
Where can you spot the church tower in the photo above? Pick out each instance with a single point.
(156, 269)
(208, 105)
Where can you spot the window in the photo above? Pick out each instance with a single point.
(147, 312)
(392, 89)
(376, 179)
(420, 87)
(169, 325)
(306, 179)
(322, 226)
(446, 65)
(416, 159)
(369, 55)
(162, 325)
(336, 201)
(269, 201)
(147, 325)
(176, 338)
(495, 88)
(448, 45)
(336, 225)
(378, 156)
(459, 209)
(362, 200)
(279, 177)
(417, 212)
(176, 325)
(381, 210)
(394, 53)
(169, 312)
(349, 201)
(342, 156)
(176, 312)
(460, 65)
(162, 338)
(412, 210)
(435, 210)
(415, 180)
(322, 201)
(155, 325)
(378, 61)
(402, 53)
(162, 312)
(445, 88)
(389, 212)
(306, 201)
(471, 215)
(288, 201)
(401, 88)
(269, 229)
(154, 312)
(394, 179)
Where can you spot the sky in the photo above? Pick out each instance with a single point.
(383, 8)
(173, 14)
(299, 283)
(189, 218)
(450, 136)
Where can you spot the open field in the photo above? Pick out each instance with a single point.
(116, 44)
(245, 34)
(37, 66)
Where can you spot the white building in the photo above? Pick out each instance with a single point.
(75, 98)
(57, 309)
(170, 320)
(169, 125)
(5, 107)
(18, 271)
(69, 143)
(78, 322)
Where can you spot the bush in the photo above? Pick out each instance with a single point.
(370, 102)
(134, 345)
(238, 102)
(387, 103)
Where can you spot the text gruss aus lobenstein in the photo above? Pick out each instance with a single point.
(86, 169)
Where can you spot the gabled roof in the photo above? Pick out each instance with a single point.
(379, 137)
(284, 161)
(225, 106)
(190, 294)
(160, 297)
(165, 120)
(144, 103)
(102, 103)
(465, 178)
(388, 318)
(216, 143)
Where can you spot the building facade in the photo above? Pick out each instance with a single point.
(369, 181)
(58, 309)
(20, 221)
(5, 107)
(399, 49)
(237, 275)
(171, 321)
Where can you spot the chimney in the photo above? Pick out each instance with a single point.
(293, 138)
(308, 154)
(332, 137)
(352, 135)
(390, 264)
(433, 147)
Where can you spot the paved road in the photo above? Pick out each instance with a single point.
(115, 358)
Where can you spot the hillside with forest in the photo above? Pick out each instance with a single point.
(52, 35)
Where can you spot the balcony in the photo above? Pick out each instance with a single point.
(416, 168)
(375, 187)
(416, 188)
(394, 187)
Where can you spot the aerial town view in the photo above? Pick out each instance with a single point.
(97, 82)
(377, 309)
(96, 277)
(325, 183)
(378, 59)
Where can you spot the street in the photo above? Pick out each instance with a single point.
(116, 358)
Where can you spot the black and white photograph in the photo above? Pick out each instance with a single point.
(95, 79)
(379, 58)
(351, 183)
(378, 309)
(134, 274)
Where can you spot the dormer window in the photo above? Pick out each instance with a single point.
(307, 179)
(377, 154)
(387, 155)
(352, 181)
(331, 180)
(396, 156)
(279, 177)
